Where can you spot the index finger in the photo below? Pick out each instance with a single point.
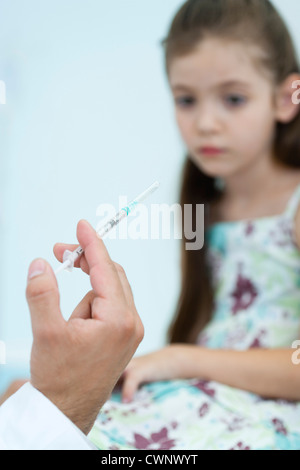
(103, 274)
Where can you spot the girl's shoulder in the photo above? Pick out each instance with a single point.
(285, 200)
(292, 194)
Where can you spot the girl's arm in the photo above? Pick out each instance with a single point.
(269, 373)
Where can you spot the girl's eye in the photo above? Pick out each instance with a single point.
(235, 100)
(184, 101)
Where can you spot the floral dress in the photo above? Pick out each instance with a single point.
(255, 268)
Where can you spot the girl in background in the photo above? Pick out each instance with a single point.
(226, 380)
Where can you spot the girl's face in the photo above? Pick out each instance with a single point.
(224, 107)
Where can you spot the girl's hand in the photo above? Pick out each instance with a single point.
(165, 364)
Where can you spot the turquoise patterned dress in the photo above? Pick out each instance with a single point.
(255, 268)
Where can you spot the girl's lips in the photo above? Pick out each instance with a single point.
(211, 150)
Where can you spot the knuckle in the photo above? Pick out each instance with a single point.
(140, 332)
(133, 328)
(120, 269)
(31, 291)
(128, 325)
(37, 290)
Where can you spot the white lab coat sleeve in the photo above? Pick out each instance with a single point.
(29, 421)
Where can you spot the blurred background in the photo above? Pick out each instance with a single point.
(88, 117)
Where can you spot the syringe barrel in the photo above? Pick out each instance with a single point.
(69, 257)
(111, 223)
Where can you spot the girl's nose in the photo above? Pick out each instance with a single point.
(207, 121)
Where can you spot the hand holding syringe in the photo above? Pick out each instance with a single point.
(70, 257)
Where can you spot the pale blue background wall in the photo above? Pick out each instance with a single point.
(88, 117)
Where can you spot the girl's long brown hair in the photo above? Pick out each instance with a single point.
(254, 22)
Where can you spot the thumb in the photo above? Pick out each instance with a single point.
(43, 297)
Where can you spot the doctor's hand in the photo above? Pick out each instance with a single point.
(76, 363)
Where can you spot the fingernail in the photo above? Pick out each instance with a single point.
(37, 268)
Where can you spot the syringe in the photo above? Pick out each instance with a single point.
(70, 257)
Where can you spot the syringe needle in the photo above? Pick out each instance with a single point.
(70, 257)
